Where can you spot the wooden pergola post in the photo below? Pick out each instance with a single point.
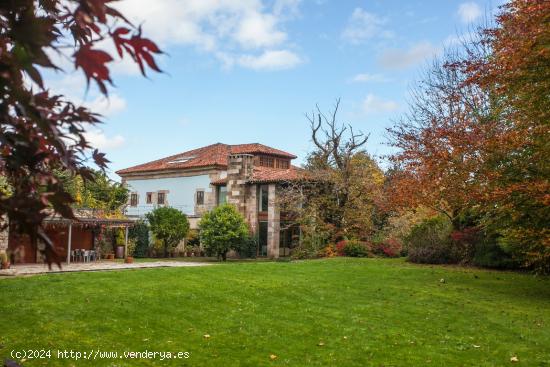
(126, 242)
(69, 243)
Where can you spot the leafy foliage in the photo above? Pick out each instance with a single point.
(99, 193)
(139, 232)
(169, 225)
(353, 248)
(476, 136)
(340, 197)
(429, 242)
(41, 133)
(248, 249)
(223, 229)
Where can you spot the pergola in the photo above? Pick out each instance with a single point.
(90, 219)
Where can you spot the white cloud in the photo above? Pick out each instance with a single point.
(97, 139)
(373, 104)
(368, 78)
(404, 58)
(363, 26)
(259, 30)
(270, 60)
(107, 106)
(469, 12)
(228, 29)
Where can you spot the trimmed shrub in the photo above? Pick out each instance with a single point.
(429, 242)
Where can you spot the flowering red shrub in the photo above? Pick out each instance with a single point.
(389, 248)
(464, 243)
(340, 246)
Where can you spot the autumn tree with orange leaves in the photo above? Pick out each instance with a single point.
(477, 135)
(41, 132)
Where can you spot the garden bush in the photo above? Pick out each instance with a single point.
(353, 248)
(328, 251)
(140, 233)
(490, 254)
(312, 245)
(463, 244)
(390, 247)
(429, 242)
(248, 248)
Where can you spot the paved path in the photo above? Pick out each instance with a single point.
(31, 269)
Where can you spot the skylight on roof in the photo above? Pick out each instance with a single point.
(180, 160)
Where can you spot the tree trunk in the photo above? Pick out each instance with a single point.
(165, 248)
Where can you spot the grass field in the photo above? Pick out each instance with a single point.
(335, 312)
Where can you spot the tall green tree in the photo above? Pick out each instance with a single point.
(99, 193)
(168, 225)
(223, 229)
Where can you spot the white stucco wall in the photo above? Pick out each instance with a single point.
(181, 192)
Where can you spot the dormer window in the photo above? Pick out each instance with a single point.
(266, 161)
(282, 163)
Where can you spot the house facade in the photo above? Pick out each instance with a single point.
(248, 176)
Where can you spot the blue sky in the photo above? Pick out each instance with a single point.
(242, 71)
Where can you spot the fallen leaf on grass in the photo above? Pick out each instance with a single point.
(514, 359)
(273, 357)
(477, 346)
(320, 344)
(206, 336)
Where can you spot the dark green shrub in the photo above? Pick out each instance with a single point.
(429, 242)
(490, 254)
(353, 248)
(140, 233)
(248, 248)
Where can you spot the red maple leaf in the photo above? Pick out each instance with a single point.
(93, 63)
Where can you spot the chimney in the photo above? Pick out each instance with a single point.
(239, 170)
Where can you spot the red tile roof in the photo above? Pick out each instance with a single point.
(211, 155)
(268, 175)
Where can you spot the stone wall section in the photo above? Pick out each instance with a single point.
(252, 208)
(239, 170)
(273, 223)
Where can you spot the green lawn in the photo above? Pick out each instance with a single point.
(336, 312)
